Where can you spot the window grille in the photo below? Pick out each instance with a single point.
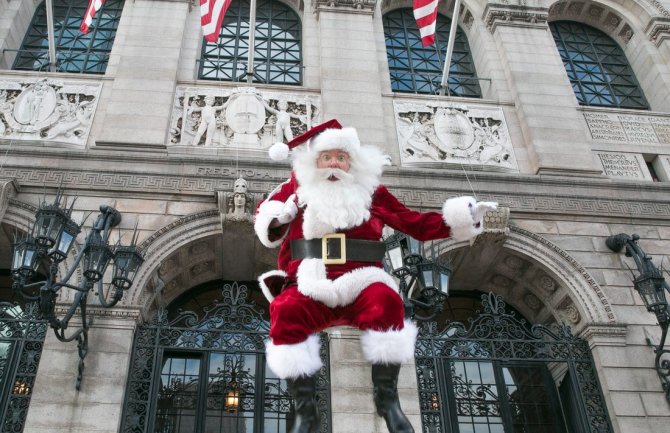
(597, 67)
(204, 370)
(277, 53)
(21, 341)
(75, 52)
(418, 69)
(499, 374)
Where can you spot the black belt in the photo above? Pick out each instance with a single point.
(335, 249)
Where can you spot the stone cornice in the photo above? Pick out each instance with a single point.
(515, 16)
(425, 189)
(345, 6)
(658, 30)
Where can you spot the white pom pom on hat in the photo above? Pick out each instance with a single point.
(325, 136)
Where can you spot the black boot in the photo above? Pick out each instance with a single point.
(303, 391)
(385, 381)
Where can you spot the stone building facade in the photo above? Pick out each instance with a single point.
(165, 147)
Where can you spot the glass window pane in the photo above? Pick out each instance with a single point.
(596, 66)
(75, 52)
(177, 401)
(418, 69)
(277, 51)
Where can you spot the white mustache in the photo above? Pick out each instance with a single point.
(326, 173)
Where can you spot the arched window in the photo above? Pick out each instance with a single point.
(488, 370)
(597, 67)
(277, 53)
(200, 367)
(75, 52)
(418, 69)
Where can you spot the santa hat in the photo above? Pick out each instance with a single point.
(326, 136)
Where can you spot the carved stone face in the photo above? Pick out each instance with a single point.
(209, 100)
(239, 200)
(282, 105)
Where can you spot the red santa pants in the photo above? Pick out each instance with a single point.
(294, 316)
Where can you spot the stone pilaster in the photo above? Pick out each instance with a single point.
(143, 64)
(350, 83)
(553, 130)
(56, 406)
(16, 16)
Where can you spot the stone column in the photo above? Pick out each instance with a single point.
(350, 72)
(15, 17)
(353, 408)
(554, 130)
(135, 107)
(56, 406)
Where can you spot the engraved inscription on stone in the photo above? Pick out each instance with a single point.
(638, 129)
(628, 128)
(441, 134)
(624, 165)
(605, 127)
(661, 127)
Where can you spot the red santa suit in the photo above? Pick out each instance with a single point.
(314, 296)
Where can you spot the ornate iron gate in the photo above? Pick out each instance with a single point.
(21, 340)
(191, 373)
(474, 377)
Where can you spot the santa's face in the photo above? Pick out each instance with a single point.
(335, 158)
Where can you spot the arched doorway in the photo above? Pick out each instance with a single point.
(199, 367)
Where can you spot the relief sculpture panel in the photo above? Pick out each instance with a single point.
(44, 109)
(443, 134)
(240, 118)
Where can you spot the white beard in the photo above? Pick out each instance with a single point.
(341, 204)
(333, 205)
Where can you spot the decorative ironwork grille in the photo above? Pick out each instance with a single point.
(418, 69)
(277, 53)
(21, 341)
(597, 67)
(499, 375)
(195, 373)
(75, 52)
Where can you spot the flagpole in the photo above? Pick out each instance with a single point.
(450, 47)
(252, 42)
(50, 36)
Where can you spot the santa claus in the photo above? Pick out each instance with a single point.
(327, 220)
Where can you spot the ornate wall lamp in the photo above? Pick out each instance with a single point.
(49, 243)
(423, 283)
(651, 286)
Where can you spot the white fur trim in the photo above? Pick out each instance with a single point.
(394, 346)
(291, 361)
(267, 211)
(457, 214)
(278, 151)
(264, 288)
(313, 282)
(345, 139)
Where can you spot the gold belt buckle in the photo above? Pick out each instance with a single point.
(343, 249)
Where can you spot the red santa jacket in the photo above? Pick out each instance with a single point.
(338, 285)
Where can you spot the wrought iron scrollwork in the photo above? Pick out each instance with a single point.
(231, 327)
(497, 335)
(22, 333)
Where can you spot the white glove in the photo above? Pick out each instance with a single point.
(480, 208)
(289, 211)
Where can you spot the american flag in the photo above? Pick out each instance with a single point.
(425, 13)
(93, 7)
(211, 17)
